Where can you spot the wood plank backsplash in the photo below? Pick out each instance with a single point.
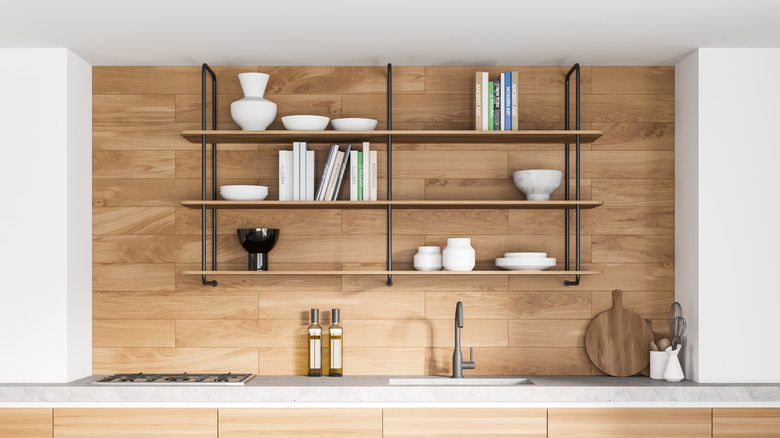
(150, 317)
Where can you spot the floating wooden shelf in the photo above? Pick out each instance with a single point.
(393, 272)
(394, 204)
(399, 136)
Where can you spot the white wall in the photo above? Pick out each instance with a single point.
(45, 316)
(727, 153)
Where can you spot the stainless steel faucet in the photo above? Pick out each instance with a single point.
(457, 358)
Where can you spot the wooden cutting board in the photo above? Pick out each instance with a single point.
(618, 340)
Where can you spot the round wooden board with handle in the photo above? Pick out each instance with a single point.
(618, 340)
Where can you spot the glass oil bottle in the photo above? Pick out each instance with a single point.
(315, 344)
(335, 333)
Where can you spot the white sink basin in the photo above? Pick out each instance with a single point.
(466, 381)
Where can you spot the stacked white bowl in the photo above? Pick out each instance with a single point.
(243, 193)
(525, 261)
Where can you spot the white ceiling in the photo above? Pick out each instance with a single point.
(404, 32)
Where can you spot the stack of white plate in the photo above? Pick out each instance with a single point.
(243, 193)
(525, 261)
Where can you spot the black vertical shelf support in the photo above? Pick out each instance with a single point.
(567, 221)
(389, 281)
(204, 70)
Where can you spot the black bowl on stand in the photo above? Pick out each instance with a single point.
(258, 242)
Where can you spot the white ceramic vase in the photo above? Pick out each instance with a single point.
(459, 255)
(673, 371)
(253, 112)
(428, 258)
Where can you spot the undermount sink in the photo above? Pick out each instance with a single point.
(465, 381)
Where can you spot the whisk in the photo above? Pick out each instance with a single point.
(678, 331)
(674, 311)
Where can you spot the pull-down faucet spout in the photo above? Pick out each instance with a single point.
(457, 357)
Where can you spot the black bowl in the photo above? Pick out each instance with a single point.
(258, 242)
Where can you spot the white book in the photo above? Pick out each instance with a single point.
(353, 175)
(334, 175)
(296, 173)
(309, 175)
(503, 105)
(366, 173)
(485, 101)
(374, 175)
(302, 149)
(285, 175)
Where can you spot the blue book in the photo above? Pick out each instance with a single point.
(507, 110)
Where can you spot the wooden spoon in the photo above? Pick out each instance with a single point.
(653, 347)
(663, 343)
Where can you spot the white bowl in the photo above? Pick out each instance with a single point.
(511, 264)
(243, 193)
(353, 124)
(305, 123)
(525, 255)
(538, 184)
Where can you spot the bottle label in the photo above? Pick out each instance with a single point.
(335, 354)
(315, 361)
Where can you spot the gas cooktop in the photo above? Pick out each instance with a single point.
(175, 379)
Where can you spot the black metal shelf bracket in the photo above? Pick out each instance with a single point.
(206, 69)
(389, 281)
(567, 191)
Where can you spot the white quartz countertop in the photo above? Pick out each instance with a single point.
(286, 391)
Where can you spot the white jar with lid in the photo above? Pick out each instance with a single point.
(459, 255)
(428, 258)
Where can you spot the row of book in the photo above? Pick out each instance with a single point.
(297, 171)
(495, 103)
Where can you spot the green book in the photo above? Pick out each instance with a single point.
(360, 175)
(491, 102)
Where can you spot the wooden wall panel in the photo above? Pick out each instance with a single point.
(149, 423)
(606, 423)
(150, 317)
(738, 423)
(300, 423)
(26, 423)
(486, 423)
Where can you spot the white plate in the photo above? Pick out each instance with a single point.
(525, 255)
(525, 265)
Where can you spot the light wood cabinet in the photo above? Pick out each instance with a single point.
(146, 423)
(25, 423)
(465, 422)
(300, 423)
(755, 423)
(629, 422)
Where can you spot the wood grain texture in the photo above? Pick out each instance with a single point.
(617, 340)
(300, 423)
(753, 422)
(633, 422)
(145, 239)
(146, 422)
(26, 423)
(174, 360)
(647, 304)
(465, 423)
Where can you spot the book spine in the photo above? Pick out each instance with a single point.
(491, 103)
(478, 101)
(340, 176)
(497, 106)
(360, 176)
(285, 175)
(309, 175)
(508, 98)
(366, 175)
(319, 194)
(374, 175)
(515, 120)
(353, 175)
(484, 100)
(503, 103)
(296, 171)
(334, 171)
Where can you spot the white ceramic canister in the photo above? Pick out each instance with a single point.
(459, 255)
(428, 258)
(673, 371)
(253, 112)
(658, 360)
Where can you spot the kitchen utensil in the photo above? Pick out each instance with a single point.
(243, 193)
(305, 123)
(515, 264)
(653, 347)
(679, 330)
(663, 343)
(617, 340)
(258, 242)
(537, 184)
(674, 311)
(353, 124)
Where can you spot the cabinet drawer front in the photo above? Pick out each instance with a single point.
(25, 423)
(147, 423)
(463, 422)
(757, 423)
(300, 423)
(634, 422)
